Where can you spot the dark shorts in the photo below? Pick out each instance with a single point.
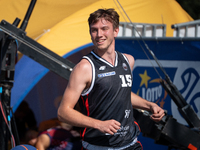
(136, 146)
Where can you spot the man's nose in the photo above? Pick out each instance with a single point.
(99, 33)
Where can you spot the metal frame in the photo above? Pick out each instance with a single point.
(142, 28)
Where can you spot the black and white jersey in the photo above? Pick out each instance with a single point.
(109, 97)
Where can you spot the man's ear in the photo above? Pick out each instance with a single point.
(116, 31)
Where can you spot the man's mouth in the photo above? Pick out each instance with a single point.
(100, 41)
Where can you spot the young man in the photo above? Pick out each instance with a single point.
(101, 82)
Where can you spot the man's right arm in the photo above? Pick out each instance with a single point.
(80, 78)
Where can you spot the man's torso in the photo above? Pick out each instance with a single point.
(109, 98)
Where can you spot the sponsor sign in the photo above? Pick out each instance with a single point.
(185, 75)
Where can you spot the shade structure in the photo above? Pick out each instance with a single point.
(63, 24)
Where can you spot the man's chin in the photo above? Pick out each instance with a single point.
(102, 48)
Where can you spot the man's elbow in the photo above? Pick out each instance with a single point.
(60, 115)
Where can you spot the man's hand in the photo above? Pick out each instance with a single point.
(157, 113)
(109, 126)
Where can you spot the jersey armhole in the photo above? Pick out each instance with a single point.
(87, 91)
(127, 62)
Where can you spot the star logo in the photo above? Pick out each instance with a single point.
(145, 79)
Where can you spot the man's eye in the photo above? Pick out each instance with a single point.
(105, 28)
(93, 30)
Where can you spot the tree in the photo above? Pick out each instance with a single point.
(191, 7)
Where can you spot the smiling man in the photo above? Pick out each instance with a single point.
(101, 82)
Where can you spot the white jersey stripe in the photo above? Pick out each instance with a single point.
(87, 91)
(127, 62)
(116, 59)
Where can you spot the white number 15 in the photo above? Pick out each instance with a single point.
(126, 80)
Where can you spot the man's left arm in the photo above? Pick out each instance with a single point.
(140, 103)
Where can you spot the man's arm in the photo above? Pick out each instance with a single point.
(140, 103)
(80, 78)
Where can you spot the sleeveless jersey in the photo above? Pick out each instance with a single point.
(109, 97)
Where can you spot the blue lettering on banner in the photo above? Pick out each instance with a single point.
(106, 74)
(185, 75)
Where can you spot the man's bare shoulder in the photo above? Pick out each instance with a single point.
(83, 66)
(82, 73)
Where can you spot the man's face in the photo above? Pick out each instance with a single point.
(103, 34)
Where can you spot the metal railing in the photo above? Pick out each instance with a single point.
(188, 29)
(145, 30)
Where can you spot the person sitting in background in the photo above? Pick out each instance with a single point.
(31, 137)
(61, 137)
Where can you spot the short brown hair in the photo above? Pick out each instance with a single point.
(108, 14)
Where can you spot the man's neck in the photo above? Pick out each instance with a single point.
(108, 55)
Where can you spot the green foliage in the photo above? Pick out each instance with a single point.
(192, 7)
